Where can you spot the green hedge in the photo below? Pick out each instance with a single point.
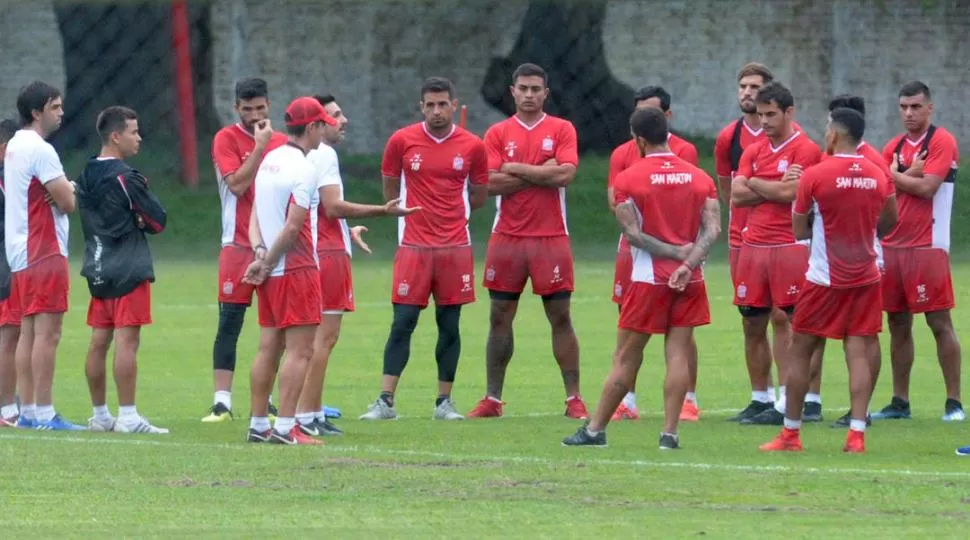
(194, 215)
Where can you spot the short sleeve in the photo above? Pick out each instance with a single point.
(887, 152)
(689, 154)
(493, 149)
(305, 188)
(621, 191)
(746, 164)
(478, 171)
(810, 154)
(568, 151)
(393, 154)
(225, 155)
(803, 197)
(47, 166)
(616, 165)
(722, 152)
(942, 156)
(326, 165)
(711, 186)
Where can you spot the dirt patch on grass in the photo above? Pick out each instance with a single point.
(342, 461)
(186, 482)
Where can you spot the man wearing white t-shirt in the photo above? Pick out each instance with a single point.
(286, 274)
(39, 197)
(333, 253)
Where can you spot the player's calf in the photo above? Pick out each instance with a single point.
(9, 410)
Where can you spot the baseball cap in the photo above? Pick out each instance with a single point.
(306, 110)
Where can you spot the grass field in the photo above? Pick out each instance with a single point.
(473, 479)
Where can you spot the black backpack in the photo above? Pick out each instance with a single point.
(736, 149)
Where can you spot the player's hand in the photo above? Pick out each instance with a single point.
(916, 168)
(684, 250)
(894, 166)
(262, 131)
(49, 199)
(393, 208)
(793, 173)
(256, 273)
(355, 235)
(680, 278)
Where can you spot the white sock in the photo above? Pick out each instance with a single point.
(781, 402)
(9, 411)
(306, 418)
(270, 398)
(771, 394)
(692, 397)
(128, 413)
(29, 411)
(812, 397)
(224, 397)
(630, 400)
(45, 413)
(592, 433)
(101, 412)
(284, 424)
(793, 424)
(857, 425)
(259, 423)
(762, 396)
(674, 435)
(321, 416)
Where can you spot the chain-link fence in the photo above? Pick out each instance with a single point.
(372, 55)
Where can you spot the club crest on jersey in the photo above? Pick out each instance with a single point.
(459, 163)
(547, 144)
(403, 288)
(510, 149)
(783, 166)
(490, 274)
(742, 290)
(416, 162)
(227, 287)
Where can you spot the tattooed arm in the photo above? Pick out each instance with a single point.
(626, 216)
(710, 230)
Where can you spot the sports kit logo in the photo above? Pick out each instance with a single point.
(783, 166)
(490, 274)
(921, 296)
(855, 167)
(466, 282)
(547, 144)
(618, 290)
(227, 287)
(459, 163)
(416, 162)
(510, 149)
(556, 278)
(793, 290)
(742, 290)
(667, 165)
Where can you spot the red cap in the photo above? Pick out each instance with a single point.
(306, 110)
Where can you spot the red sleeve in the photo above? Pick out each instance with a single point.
(722, 151)
(942, 156)
(478, 172)
(803, 198)
(225, 154)
(568, 151)
(712, 191)
(745, 168)
(887, 151)
(393, 154)
(690, 155)
(811, 154)
(620, 187)
(616, 165)
(493, 148)
(889, 187)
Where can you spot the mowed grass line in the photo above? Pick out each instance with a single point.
(508, 477)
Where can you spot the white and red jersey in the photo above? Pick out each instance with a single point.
(925, 222)
(536, 210)
(769, 223)
(231, 147)
(627, 154)
(846, 194)
(669, 195)
(34, 229)
(333, 234)
(284, 178)
(436, 174)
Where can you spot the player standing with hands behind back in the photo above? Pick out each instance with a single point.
(532, 158)
(116, 211)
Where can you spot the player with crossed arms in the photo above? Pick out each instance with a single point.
(669, 212)
(842, 203)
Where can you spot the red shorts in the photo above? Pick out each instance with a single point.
(292, 299)
(336, 281)
(624, 269)
(8, 316)
(770, 276)
(837, 313)
(132, 309)
(233, 261)
(446, 272)
(41, 288)
(733, 254)
(916, 280)
(655, 309)
(512, 260)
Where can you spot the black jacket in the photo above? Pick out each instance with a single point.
(4, 265)
(112, 196)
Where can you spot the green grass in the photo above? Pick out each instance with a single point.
(473, 479)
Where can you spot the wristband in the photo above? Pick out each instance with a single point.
(259, 247)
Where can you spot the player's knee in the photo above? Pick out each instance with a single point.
(231, 317)
(405, 319)
(448, 319)
(754, 321)
(940, 323)
(501, 315)
(900, 325)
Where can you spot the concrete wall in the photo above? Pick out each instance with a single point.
(373, 54)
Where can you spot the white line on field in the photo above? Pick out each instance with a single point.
(580, 456)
